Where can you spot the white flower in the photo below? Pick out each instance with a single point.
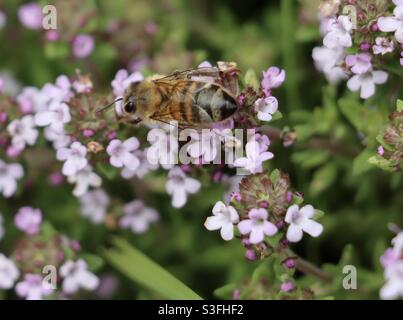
(398, 244)
(59, 139)
(8, 272)
(55, 116)
(329, 61)
(144, 167)
(383, 46)
(266, 107)
(393, 288)
(205, 145)
(32, 287)
(179, 186)
(9, 174)
(300, 221)
(393, 24)
(74, 158)
(84, 179)
(122, 153)
(254, 158)
(31, 99)
(137, 216)
(76, 276)
(338, 34)
(224, 217)
(23, 132)
(163, 149)
(366, 82)
(257, 226)
(94, 205)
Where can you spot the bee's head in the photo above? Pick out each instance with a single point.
(130, 103)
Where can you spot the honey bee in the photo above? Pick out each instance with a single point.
(192, 98)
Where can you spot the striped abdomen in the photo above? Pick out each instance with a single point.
(201, 102)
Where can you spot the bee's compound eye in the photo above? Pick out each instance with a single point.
(130, 106)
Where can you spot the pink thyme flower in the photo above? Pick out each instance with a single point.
(94, 205)
(366, 82)
(55, 117)
(388, 258)
(8, 272)
(254, 158)
(383, 46)
(266, 107)
(52, 35)
(263, 141)
(381, 151)
(9, 174)
(28, 220)
(122, 153)
(30, 15)
(137, 217)
(287, 286)
(13, 152)
(83, 45)
(257, 226)
(223, 219)
(32, 287)
(23, 132)
(393, 288)
(31, 100)
(143, 169)
(359, 63)
(329, 61)
(300, 220)
(74, 158)
(84, 179)
(3, 21)
(76, 276)
(272, 78)
(179, 186)
(393, 24)
(338, 33)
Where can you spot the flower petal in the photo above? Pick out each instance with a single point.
(294, 233)
(227, 231)
(312, 227)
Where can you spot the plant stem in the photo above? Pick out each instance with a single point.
(290, 53)
(307, 267)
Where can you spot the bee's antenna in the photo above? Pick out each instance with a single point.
(107, 106)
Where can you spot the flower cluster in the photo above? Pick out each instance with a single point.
(39, 247)
(358, 43)
(392, 262)
(390, 152)
(265, 206)
(265, 214)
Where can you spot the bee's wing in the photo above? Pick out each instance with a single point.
(202, 74)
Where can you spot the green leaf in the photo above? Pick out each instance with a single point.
(361, 164)
(399, 105)
(366, 120)
(225, 292)
(309, 159)
(380, 162)
(250, 79)
(94, 262)
(318, 214)
(323, 178)
(142, 270)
